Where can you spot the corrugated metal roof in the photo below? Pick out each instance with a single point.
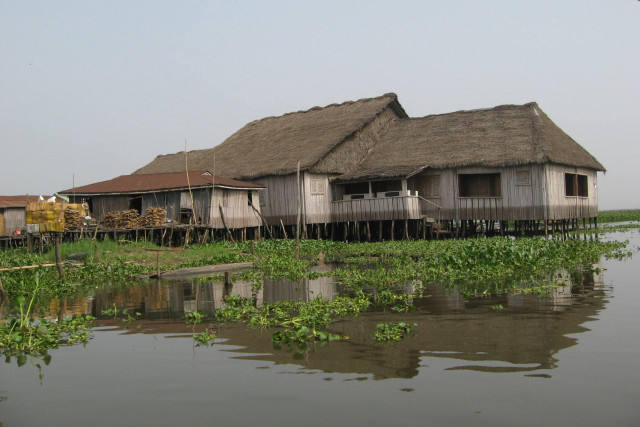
(141, 183)
(18, 201)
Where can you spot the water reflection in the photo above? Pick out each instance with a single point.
(523, 336)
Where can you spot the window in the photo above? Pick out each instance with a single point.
(250, 198)
(479, 185)
(382, 186)
(523, 178)
(317, 187)
(357, 188)
(431, 186)
(576, 185)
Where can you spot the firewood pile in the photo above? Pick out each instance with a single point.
(153, 217)
(122, 219)
(72, 218)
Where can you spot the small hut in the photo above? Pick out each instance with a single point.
(13, 213)
(194, 198)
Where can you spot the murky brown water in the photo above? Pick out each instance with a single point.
(569, 359)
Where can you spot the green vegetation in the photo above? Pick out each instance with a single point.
(371, 276)
(619, 215)
(386, 332)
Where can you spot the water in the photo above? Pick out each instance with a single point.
(571, 359)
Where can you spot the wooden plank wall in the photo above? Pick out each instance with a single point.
(104, 204)
(12, 219)
(280, 201)
(317, 207)
(379, 209)
(562, 207)
(235, 205)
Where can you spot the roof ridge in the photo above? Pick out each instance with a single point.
(317, 108)
(475, 110)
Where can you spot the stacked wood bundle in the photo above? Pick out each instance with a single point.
(153, 217)
(72, 218)
(122, 219)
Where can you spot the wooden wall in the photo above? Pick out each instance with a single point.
(235, 206)
(101, 205)
(12, 219)
(559, 206)
(280, 199)
(543, 198)
(379, 209)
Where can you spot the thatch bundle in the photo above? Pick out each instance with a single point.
(72, 218)
(122, 219)
(153, 217)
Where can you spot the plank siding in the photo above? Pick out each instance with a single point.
(559, 206)
(12, 219)
(379, 209)
(235, 206)
(280, 201)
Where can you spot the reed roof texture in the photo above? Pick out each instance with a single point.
(507, 135)
(274, 145)
(145, 183)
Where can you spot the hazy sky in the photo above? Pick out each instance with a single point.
(90, 90)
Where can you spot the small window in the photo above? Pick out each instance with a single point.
(431, 187)
(576, 185)
(317, 187)
(250, 198)
(523, 178)
(479, 185)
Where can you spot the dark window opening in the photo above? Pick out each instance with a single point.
(250, 198)
(576, 185)
(136, 203)
(383, 186)
(479, 185)
(357, 188)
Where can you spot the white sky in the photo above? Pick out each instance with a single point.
(90, 90)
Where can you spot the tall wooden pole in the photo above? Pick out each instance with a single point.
(299, 211)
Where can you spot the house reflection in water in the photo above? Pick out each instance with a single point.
(523, 336)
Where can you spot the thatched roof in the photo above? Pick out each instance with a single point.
(274, 145)
(146, 183)
(508, 135)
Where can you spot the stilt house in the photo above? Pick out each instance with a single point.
(367, 161)
(13, 213)
(194, 198)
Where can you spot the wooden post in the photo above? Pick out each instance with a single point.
(95, 252)
(58, 256)
(3, 294)
(158, 264)
(299, 211)
(284, 230)
(393, 226)
(224, 222)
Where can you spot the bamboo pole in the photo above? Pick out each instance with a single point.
(224, 222)
(299, 211)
